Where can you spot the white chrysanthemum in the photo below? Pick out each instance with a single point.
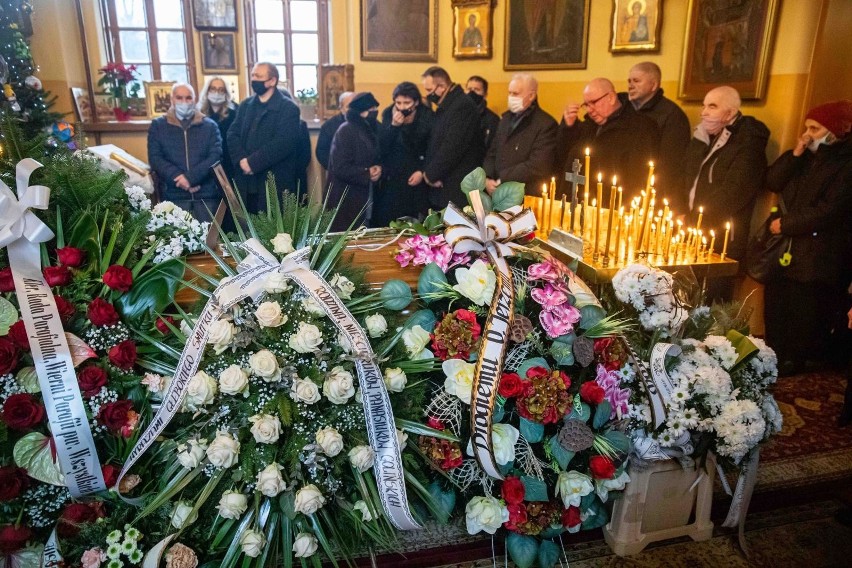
(722, 350)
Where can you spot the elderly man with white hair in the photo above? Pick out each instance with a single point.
(524, 147)
(183, 145)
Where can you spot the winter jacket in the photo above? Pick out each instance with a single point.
(354, 150)
(326, 135)
(523, 149)
(191, 150)
(817, 192)
(224, 124)
(727, 171)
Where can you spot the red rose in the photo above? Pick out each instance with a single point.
(110, 473)
(9, 353)
(13, 481)
(537, 372)
(22, 411)
(18, 334)
(592, 392)
(513, 490)
(57, 275)
(571, 517)
(76, 514)
(91, 378)
(70, 256)
(13, 538)
(517, 516)
(433, 422)
(118, 278)
(7, 284)
(161, 324)
(510, 385)
(602, 467)
(123, 355)
(101, 312)
(116, 415)
(65, 308)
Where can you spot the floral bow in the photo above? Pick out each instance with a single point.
(496, 231)
(16, 219)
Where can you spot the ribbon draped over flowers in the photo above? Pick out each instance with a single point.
(21, 231)
(253, 271)
(494, 234)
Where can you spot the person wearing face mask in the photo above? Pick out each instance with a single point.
(477, 90)
(525, 145)
(264, 139)
(183, 145)
(403, 142)
(725, 169)
(354, 166)
(815, 182)
(455, 145)
(215, 103)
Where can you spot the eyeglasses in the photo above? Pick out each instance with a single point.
(222, 90)
(588, 104)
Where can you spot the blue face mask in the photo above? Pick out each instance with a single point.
(184, 110)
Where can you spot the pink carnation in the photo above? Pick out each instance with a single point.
(617, 396)
(550, 270)
(92, 558)
(549, 297)
(420, 251)
(559, 320)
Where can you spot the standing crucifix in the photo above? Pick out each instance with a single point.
(575, 179)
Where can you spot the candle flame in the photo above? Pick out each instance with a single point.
(614, 180)
(594, 202)
(701, 209)
(587, 150)
(651, 164)
(600, 177)
(727, 226)
(704, 240)
(665, 202)
(653, 177)
(712, 233)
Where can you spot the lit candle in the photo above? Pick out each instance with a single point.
(650, 176)
(725, 242)
(700, 216)
(585, 212)
(669, 255)
(712, 242)
(552, 198)
(628, 235)
(704, 247)
(616, 252)
(699, 234)
(609, 227)
(541, 208)
(661, 234)
(596, 225)
(666, 211)
(598, 212)
(629, 249)
(587, 171)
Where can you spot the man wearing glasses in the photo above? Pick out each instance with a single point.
(621, 142)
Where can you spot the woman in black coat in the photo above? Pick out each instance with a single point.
(216, 104)
(815, 182)
(353, 164)
(403, 140)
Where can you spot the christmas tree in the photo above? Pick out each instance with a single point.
(22, 92)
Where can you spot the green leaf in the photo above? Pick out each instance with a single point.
(599, 518)
(548, 554)
(423, 430)
(473, 181)
(424, 318)
(85, 236)
(152, 291)
(602, 413)
(619, 441)
(530, 363)
(744, 347)
(508, 194)
(444, 500)
(534, 489)
(522, 549)
(584, 413)
(27, 378)
(396, 295)
(431, 281)
(562, 456)
(532, 432)
(8, 315)
(32, 452)
(562, 350)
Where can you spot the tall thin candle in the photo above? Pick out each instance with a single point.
(597, 227)
(609, 227)
(712, 242)
(618, 234)
(552, 197)
(725, 242)
(598, 213)
(650, 176)
(542, 208)
(700, 216)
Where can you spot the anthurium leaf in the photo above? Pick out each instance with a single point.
(548, 554)
(424, 318)
(396, 295)
(80, 350)
(599, 518)
(33, 453)
(473, 181)
(745, 348)
(534, 489)
(619, 441)
(530, 363)
(531, 431)
(445, 501)
(152, 291)
(562, 456)
(583, 413)
(27, 378)
(522, 549)
(508, 194)
(602, 413)
(8, 315)
(85, 236)
(562, 349)
(432, 280)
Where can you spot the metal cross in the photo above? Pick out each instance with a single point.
(575, 179)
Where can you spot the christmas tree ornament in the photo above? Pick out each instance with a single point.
(33, 82)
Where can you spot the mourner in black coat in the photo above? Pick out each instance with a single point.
(329, 128)
(216, 104)
(353, 164)
(477, 90)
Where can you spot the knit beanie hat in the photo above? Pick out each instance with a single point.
(836, 116)
(363, 101)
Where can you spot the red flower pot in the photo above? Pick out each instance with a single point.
(121, 115)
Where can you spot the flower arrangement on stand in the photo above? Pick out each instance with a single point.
(556, 432)
(176, 231)
(122, 82)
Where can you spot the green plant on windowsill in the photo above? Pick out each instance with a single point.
(307, 96)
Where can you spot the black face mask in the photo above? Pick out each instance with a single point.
(433, 97)
(476, 98)
(372, 116)
(259, 87)
(406, 111)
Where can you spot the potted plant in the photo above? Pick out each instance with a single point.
(308, 99)
(122, 83)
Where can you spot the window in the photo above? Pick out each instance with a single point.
(151, 34)
(292, 34)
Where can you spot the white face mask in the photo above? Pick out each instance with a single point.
(516, 104)
(216, 98)
(815, 144)
(713, 126)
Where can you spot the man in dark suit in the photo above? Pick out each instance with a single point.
(263, 139)
(455, 146)
(525, 145)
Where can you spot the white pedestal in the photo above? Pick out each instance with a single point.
(658, 505)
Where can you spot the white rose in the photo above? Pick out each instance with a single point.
(401, 438)
(224, 450)
(338, 386)
(252, 542)
(306, 339)
(362, 457)
(309, 500)
(305, 545)
(415, 340)
(313, 307)
(269, 480)
(330, 440)
(459, 381)
(185, 328)
(191, 453)
(269, 314)
(183, 515)
(265, 428)
(200, 391)
(232, 505)
(163, 207)
(234, 380)
(377, 325)
(573, 486)
(366, 515)
(275, 283)
(395, 379)
(503, 439)
(221, 334)
(476, 283)
(305, 390)
(282, 243)
(343, 286)
(345, 343)
(485, 514)
(265, 365)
